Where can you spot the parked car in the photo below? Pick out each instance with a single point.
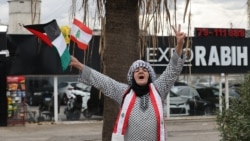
(179, 106)
(178, 83)
(198, 106)
(65, 88)
(212, 94)
(203, 82)
(235, 86)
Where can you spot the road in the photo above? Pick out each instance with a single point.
(202, 129)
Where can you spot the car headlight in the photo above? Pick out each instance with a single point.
(47, 99)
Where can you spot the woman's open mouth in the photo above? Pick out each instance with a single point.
(141, 77)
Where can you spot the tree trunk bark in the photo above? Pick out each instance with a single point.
(121, 48)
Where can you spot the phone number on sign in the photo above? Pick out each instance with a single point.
(220, 32)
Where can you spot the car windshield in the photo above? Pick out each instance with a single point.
(215, 92)
(185, 91)
(234, 93)
(61, 85)
(73, 84)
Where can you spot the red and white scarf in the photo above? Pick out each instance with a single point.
(128, 103)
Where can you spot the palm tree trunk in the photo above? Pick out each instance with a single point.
(120, 50)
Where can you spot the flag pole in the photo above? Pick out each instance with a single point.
(73, 52)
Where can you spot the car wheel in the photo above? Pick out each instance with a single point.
(87, 114)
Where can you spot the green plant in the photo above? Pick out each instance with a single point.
(234, 122)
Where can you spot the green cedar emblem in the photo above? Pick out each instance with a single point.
(78, 34)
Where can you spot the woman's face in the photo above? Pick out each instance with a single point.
(141, 76)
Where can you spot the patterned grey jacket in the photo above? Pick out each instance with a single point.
(142, 123)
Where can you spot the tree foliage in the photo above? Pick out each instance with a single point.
(234, 122)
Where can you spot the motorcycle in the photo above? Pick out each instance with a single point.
(46, 106)
(77, 103)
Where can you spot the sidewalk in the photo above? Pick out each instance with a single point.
(178, 130)
(203, 129)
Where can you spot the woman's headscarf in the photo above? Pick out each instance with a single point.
(137, 64)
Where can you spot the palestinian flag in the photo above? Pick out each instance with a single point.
(80, 34)
(51, 35)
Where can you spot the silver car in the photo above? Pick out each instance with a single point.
(178, 105)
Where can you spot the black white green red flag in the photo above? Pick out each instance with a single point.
(80, 34)
(51, 35)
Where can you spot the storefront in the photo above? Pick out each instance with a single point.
(16, 97)
(209, 56)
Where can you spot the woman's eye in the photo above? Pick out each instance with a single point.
(142, 69)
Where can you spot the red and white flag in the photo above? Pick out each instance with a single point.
(80, 34)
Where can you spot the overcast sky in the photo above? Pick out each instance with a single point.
(205, 13)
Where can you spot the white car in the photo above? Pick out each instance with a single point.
(65, 88)
(178, 106)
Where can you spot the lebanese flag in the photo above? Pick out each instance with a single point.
(51, 35)
(80, 34)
